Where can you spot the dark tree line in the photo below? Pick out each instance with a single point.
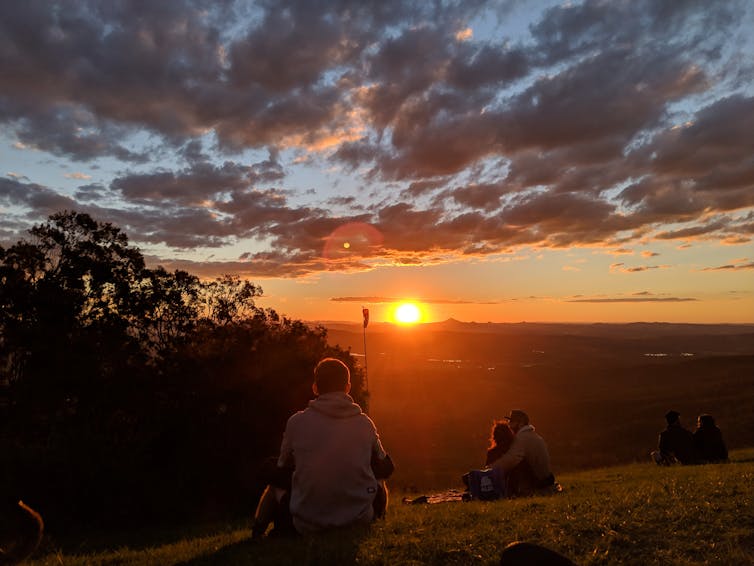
(132, 395)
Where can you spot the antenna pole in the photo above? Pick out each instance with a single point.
(365, 313)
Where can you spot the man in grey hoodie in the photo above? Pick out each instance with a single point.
(337, 458)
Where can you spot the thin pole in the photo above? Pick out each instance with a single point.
(365, 314)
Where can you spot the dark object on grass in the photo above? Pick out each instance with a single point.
(21, 531)
(528, 554)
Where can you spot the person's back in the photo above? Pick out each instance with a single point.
(331, 445)
(676, 441)
(535, 449)
(708, 441)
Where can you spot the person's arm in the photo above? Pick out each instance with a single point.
(286, 460)
(512, 458)
(493, 454)
(382, 463)
(382, 468)
(662, 444)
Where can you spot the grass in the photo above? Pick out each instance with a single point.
(635, 514)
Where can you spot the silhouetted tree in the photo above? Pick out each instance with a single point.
(128, 386)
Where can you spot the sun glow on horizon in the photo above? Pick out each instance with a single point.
(407, 313)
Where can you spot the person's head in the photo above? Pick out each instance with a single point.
(331, 375)
(517, 419)
(705, 421)
(501, 435)
(672, 417)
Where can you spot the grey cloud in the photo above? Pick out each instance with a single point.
(508, 143)
(197, 183)
(92, 192)
(481, 196)
(41, 200)
(578, 29)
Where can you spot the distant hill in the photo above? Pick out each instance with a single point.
(624, 330)
(486, 342)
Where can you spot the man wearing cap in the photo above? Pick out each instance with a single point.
(676, 443)
(336, 455)
(527, 463)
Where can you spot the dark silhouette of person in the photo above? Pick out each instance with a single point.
(676, 443)
(335, 459)
(708, 441)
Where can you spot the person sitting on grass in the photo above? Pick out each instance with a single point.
(488, 484)
(339, 464)
(676, 443)
(526, 465)
(708, 441)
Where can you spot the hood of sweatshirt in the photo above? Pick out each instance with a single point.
(338, 405)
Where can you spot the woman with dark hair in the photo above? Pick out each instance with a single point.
(501, 438)
(708, 441)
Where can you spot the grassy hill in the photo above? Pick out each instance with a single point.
(633, 514)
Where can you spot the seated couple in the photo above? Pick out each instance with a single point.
(518, 462)
(678, 445)
(332, 466)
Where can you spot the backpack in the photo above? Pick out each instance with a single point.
(486, 485)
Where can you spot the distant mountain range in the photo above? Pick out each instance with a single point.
(601, 329)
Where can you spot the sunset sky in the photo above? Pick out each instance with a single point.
(494, 161)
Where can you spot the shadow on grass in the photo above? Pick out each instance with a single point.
(241, 552)
(87, 541)
(335, 547)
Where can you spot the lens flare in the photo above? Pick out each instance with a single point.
(352, 239)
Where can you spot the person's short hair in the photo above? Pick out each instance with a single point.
(519, 416)
(672, 416)
(330, 375)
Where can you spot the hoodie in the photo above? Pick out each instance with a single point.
(530, 447)
(330, 444)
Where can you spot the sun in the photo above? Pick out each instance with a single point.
(407, 313)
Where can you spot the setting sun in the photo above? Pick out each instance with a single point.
(407, 313)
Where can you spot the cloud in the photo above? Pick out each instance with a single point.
(195, 184)
(80, 176)
(39, 199)
(634, 300)
(606, 124)
(738, 265)
(623, 268)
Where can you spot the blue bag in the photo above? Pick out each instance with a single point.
(486, 485)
